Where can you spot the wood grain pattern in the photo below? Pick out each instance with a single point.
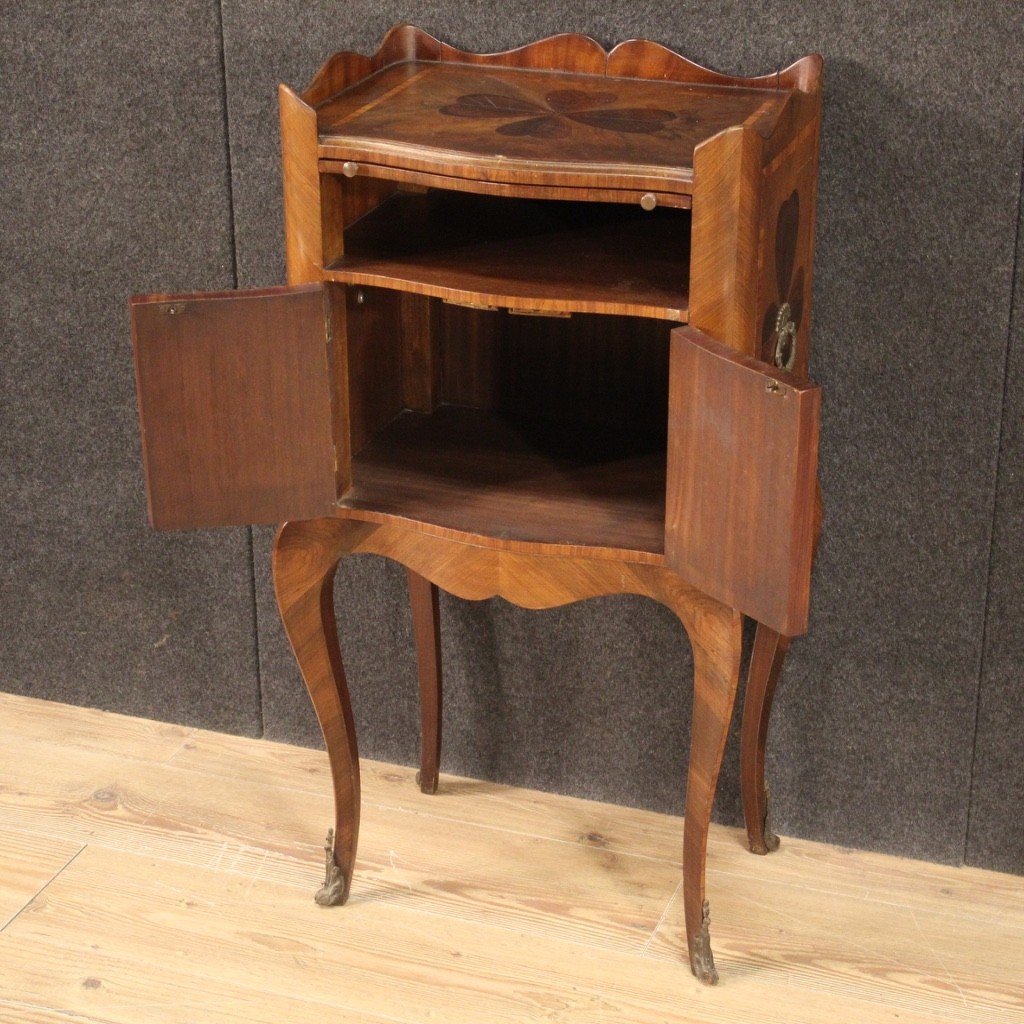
(50, 791)
(29, 863)
(376, 172)
(304, 207)
(742, 176)
(181, 778)
(235, 406)
(766, 661)
(376, 346)
(644, 58)
(765, 667)
(552, 127)
(498, 476)
(160, 936)
(717, 648)
(407, 43)
(304, 561)
(306, 555)
(524, 254)
(723, 266)
(177, 931)
(338, 371)
(421, 357)
(20, 1013)
(742, 469)
(548, 489)
(786, 231)
(599, 373)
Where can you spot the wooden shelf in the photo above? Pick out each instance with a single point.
(533, 254)
(485, 473)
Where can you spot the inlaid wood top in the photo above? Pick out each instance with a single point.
(422, 114)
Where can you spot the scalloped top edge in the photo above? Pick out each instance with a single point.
(573, 52)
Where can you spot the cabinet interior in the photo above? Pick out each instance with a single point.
(530, 427)
(523, 253)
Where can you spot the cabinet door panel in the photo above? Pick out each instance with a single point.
(234, 393)
(742, 470)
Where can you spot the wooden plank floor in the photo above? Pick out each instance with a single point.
(154, 873)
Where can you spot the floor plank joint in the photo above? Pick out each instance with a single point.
(155, 873)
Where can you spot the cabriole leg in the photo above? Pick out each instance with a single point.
(717, 639)
(305, 557)
(766, 660)
(426, 625)
(765, 668)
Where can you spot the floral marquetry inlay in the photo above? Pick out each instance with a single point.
(534, 124)
(783, 318)
(552, 118)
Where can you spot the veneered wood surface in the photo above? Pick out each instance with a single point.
(302, 201)
(742, 464)
(524, 254)
(375, 361)
(405, 42)
(753, 224)
(421, 358)
(724, 241)
(788, 200)
(481, 473)
(306, 555)
(234, 392)
(602, 372)
(438, 486)
(550, 127)
(567, 51)
(644, 58)
(336, 319)
(304, 563)
(766, 661)
(382, 174)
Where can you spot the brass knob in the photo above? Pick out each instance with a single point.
(350, 168)
(648, 201)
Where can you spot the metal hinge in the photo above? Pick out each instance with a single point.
(470, 305)
(563, 313)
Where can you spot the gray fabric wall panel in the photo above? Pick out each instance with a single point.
(115, 181)
(872, 739)
(115, 149)
(996, 837)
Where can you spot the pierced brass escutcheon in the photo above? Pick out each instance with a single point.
(785, 338)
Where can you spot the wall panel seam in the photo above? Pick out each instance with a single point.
(229, 164)
(1011, 320)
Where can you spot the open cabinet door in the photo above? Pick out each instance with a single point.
(742, 470)
(235, 398)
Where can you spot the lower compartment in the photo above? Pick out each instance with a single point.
(533, 428)
(490, 473)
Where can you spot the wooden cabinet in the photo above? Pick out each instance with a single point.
(546, 337)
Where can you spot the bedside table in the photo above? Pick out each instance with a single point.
(545, 337)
